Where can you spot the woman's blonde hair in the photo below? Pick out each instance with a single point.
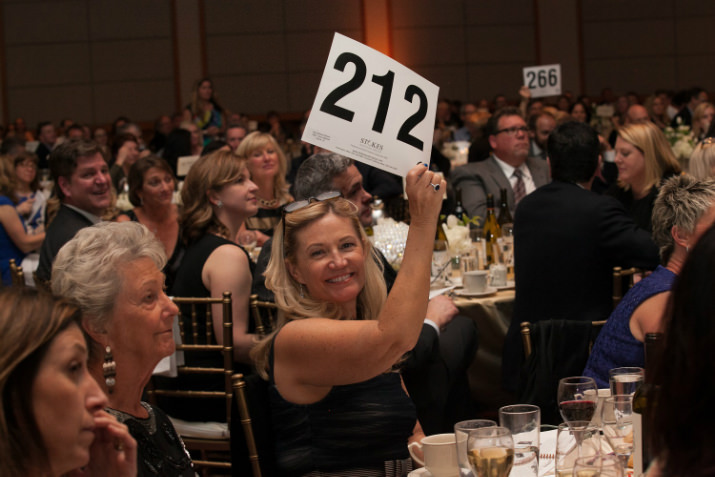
(702, 160)
(29, 322)
(8, 180)
(293, 304)
(258, 140)
(659, 158)
(210, 172)
(698, 115)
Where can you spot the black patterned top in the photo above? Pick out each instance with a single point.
(160, 450)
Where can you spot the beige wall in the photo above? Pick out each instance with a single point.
(93, 60)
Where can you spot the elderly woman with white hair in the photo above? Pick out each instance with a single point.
(683, 211)
(113, 272)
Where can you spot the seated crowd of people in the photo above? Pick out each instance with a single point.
(360, 362)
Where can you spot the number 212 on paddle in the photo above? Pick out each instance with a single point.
(373, 109)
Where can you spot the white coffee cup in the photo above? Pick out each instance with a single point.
(440, 455)
(475, 281)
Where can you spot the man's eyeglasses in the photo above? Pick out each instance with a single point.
(512, 131)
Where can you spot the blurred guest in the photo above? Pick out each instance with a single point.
(31, 200)
(580, 112)
(564, 226)
(74, 132)
(151, 192)
(466, 115)
(657, 111)
(683, 211)
(235, 133)
(12, 147)
(205, 111)
(702, 118)
(644, 159)
(100, 136)
(197, 140)
(702, 161)
(52, 417)
(276, 129)
(267, 165)
(15, 241)
(178, 144)
(162, 128)
(21, 131)
(47, 137)
(125, 152)
(332, 415)
(691, 98)
(540, 126)
(113, 272)
(683, 375)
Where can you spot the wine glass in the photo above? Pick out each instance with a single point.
(577, 398)
(491, 451)
(617, 425)
(598, 466)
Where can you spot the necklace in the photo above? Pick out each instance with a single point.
(267, 204)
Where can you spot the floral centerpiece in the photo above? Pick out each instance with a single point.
(682, 142)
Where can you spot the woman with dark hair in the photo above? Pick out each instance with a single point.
(205, 110)
(31, 200)
(52, 417)
(580, 112)
(151, 192)
(125, 152)
(178, 144)
(682, 420)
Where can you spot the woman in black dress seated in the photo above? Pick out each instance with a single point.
(113, 272)
(151, 192)
(52, 418)
(336, 407)
(644, 159)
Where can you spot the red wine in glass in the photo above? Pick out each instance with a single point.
(581, 410)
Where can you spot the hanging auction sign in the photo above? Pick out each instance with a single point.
(372, 109)
(543, 80)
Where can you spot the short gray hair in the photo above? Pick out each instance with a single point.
(86, 269)
(681, 202)
(316, 174)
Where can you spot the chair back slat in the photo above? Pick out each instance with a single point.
(264, 315)
(239, 390)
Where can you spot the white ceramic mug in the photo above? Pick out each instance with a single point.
(440, 455)
(475, 281)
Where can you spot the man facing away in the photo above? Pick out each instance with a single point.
(509, 167)
(435, 372)
(567, 240)
(83, 185)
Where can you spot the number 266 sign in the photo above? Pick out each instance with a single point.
(543, 80)
(372, 109)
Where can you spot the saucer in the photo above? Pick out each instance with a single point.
(487, 291)
(509, 285)
(421, 472)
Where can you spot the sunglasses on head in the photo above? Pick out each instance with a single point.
(302, 204)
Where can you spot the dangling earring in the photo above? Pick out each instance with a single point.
(302, 295)
(219, 204)
(109, 367)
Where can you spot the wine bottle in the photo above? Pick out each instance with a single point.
(459, 211)
(642, 399)
(440, 238)
(504, 213)
(492, 231)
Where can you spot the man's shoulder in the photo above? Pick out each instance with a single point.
(67, 221)
(474, 169)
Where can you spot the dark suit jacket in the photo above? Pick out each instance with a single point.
(43, 153)
(486, 177)
(66, 224)
(685, 115)
(566, 242)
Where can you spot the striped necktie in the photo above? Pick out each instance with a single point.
(519, 187)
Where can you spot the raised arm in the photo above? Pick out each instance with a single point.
(325, 352)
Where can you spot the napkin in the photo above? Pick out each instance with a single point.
(458, 240)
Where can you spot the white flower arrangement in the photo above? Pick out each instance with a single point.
(681, 139)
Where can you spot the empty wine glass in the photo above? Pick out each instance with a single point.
(617, 425)
(577, 398)
(491, 451)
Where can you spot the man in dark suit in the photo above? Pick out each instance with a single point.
(567, 240)
(435, 372)
(509, 166)
(47, 137)
(695, 96)
(83, 185)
